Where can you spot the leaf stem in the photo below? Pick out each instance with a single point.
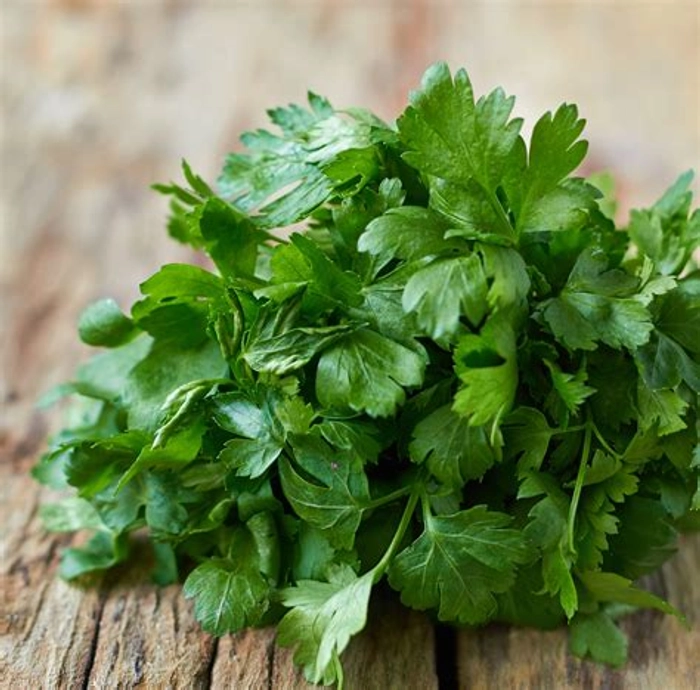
(570, 430)
(578, 487)
(389, 498)
(383, 564)
(603, 442)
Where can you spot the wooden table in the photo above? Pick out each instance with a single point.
(101, 98)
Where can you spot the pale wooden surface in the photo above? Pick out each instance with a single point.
(102, 97)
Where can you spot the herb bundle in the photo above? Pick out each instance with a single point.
(459, 376)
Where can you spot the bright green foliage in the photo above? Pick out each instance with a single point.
(434, 313)
(323, 618)
(458, 564)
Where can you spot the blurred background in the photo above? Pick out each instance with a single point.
(100, 98)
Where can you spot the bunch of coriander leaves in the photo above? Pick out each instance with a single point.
(459, 376)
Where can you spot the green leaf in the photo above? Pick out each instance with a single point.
(458, 564)
(323, 618)
(455, 451)
(366, 371)
(445, 290)
(229, 593)
(598, 305)
(104, 324)
(408, 233)
(645, 539)
(611, 587)
(543, 199)
(103, 551)
(596, 635)
(230, 238)
(569, 392)
(165, 368)
(547, 530)
(664, 409)
(70, 515)
(507, 274)
(336, 496)
(292, 349)
(449, 135)
(487, 367)
(263, 434)
(527, 433)
(664, 232)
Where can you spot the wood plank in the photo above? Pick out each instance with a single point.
(662, 653)
(47, 628)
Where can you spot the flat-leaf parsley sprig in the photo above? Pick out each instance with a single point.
(460, 377)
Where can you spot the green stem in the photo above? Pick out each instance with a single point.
(389, 498)
(569, 430)
(604, 443)
(381, 567)
(579, 486)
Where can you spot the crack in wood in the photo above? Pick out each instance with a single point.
(92, 651)
(209, 672)
(270, 661)
(446, 667)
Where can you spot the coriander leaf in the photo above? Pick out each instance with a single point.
(177, 303)
(543, 200)
(606, 481)
(314, 556)
(664, 232)
(335, 498)
(229, 593)
(679, 316)
(443, 291)
(596, 635)
(569, 392)
(323, 618)
(555, 150)
(470, 213)
(645, 539)
(229, 237)
(598, 305)
(455, 451)
(507, 274)
(292, 349)
(664, 364)
(408, 233)
(303, 263)
(165, 368)
(104, 324)
(527, 434)
(70, 515)
(449, 135)
(459, 563)
(358, 436)
(547, 530)
(365, 371)
(103, 550)
(250, 457)
(104, 376)
(663, 408)
(284, 178)
(263, 434)
(610, 587)
(487, 367)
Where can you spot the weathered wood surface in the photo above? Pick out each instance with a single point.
(102, 97)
